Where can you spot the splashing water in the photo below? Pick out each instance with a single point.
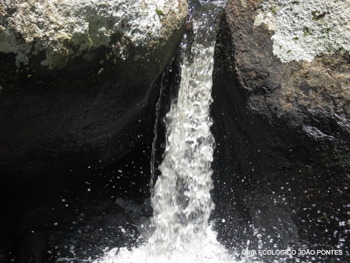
(181, 196)
(181, 199)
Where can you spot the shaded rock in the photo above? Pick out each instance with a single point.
(76, 78)
(75, 216)
(283, 135)
(48, 236)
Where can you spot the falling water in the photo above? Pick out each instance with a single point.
(181, 195)
(181, 199)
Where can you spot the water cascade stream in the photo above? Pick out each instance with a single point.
(181, 198)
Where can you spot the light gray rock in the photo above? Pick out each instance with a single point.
(65, 29)
(305, 29)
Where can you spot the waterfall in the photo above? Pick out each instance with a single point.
(181, 200)
(181, 197)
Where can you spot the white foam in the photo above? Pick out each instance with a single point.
(205, 249)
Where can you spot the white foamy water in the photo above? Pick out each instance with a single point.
(198, 250)
(181, 198)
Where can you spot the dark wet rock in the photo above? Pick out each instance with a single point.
(76, 216)
(283, 140)
(73, 94)
(47, 236)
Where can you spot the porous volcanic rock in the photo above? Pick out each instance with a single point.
(282, 124)
(76, 78)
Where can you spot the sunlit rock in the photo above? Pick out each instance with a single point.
(66, 29)
(306, 29)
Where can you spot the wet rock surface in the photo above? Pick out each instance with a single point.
(83, 237)
(77, 85)
(76, 217)
(282, 132)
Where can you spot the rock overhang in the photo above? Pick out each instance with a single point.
(64, 29)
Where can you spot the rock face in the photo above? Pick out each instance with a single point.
(76, 77)
(66, 29)
(73, 216)
(281, 122)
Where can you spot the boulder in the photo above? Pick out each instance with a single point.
(76, 78)
(282, 124)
